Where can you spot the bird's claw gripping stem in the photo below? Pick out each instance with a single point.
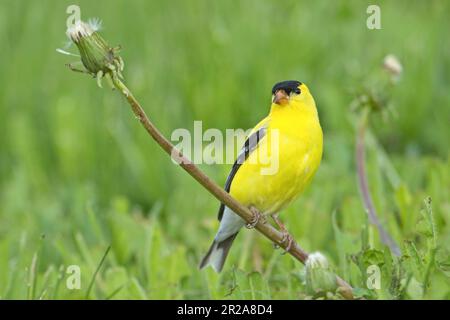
(257, 216)
(287, 238)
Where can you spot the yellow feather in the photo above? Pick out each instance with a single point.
(299, 146)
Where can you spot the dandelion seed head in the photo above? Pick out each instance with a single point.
(392, 64)
(95, 24)
(317, 260)
(319, 277)
(97, 56)
(79, 30)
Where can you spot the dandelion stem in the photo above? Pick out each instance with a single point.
(364, 185)
(266, 229)
(101, 60)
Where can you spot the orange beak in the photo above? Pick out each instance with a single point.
(281, 98)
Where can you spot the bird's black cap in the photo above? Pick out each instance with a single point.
(288, 86)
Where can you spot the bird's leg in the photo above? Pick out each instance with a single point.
(257, 216)
(286, 236)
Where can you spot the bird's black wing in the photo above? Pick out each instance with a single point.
(249, 146)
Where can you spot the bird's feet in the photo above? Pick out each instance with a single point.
(256, 217)
(287, 238)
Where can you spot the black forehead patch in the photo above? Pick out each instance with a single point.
(288, 86)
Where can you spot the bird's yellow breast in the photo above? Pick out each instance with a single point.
(284, 162)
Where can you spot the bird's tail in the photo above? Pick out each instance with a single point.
(217, 253)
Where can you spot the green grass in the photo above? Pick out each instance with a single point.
(78, 174)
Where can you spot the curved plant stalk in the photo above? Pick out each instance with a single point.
(104, 61)
(364, 185)
(266, 229)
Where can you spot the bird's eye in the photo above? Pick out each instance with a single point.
(295, 91)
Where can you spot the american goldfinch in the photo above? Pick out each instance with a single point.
(292, 137)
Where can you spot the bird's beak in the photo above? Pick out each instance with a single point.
(281, 98)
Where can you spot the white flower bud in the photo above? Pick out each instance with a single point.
(96, 55)
(392, 65)
(319, 277)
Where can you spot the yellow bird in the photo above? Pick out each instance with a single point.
(276, 163)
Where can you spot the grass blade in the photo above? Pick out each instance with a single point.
(96, 272)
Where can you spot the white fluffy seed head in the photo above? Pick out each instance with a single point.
(79, 30)
(82, 29)
(95, 24)
(317, 260)
(319, 278)
(392, 65)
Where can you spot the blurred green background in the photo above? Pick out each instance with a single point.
(78, 173)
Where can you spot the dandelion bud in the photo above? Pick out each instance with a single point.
(319, 277)
(393, 66)
(96, 55)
